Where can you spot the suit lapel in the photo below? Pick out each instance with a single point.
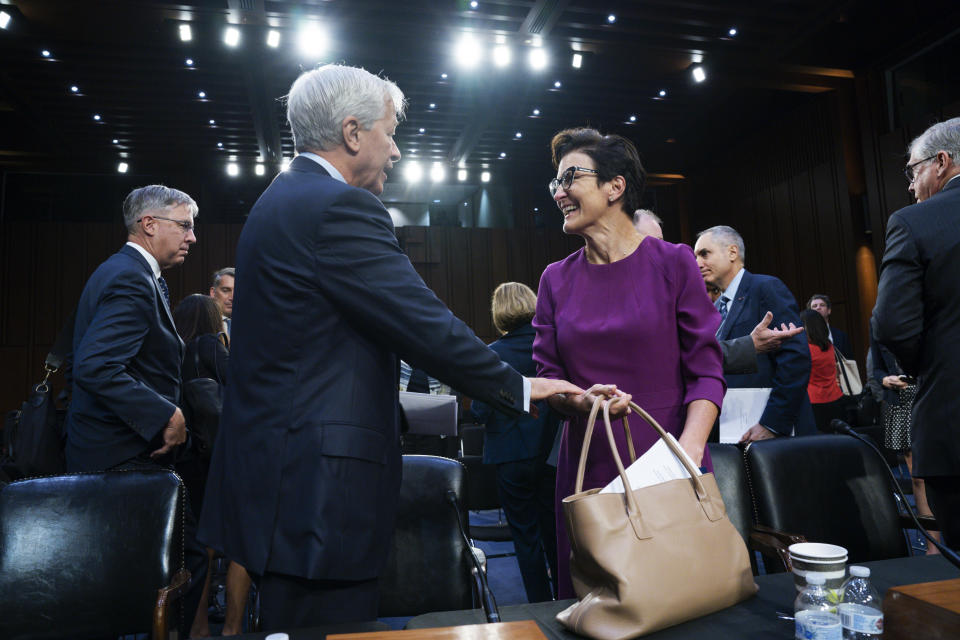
(161, 301)
(738, 305)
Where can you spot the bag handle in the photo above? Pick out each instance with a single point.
(841, 370)
(712, 511)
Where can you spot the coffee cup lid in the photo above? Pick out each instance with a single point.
(818, 551)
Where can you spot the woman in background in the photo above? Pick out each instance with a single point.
(626, 311)
(826, 397)
(519, 447)
(200, 324)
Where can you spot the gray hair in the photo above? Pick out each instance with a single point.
(639, 214)
(321, 99)
(943, 136)
(218, 275)
(726, 236)
(154, 197)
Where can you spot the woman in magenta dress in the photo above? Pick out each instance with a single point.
(625, 316)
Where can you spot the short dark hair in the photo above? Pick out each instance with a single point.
(219, 273)
(197, 315)
(820, 296)
(613, 156)
(816, 329)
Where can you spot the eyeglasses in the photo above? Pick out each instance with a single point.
(909, 171)
(566, 179)
(187, 226)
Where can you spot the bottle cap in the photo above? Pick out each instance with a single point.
(277, 636)
(815, 579)
(859, 572)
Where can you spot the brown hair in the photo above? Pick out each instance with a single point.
(196, 315)
(613, 156)
(513, 305)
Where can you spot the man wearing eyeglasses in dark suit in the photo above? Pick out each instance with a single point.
(917, 315)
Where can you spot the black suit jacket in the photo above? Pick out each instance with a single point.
(917, 317)
(305, 473)
(786, 370)
(842, 342)
(126, 365)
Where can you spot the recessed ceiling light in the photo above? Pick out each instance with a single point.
(536, 112)
(611, 18)
(485, 176)
(633, 118)
(437, 173)
(474, 4)
(259, 169)
(212, 121)
(577, 61)
(219, 145)
(413, 172)
(732, 31)
(436, 202)
(443, 76)
(557, 85)
(433, 105)
(663, 93)
(4, 19)
(503, 154)
(462, 176)
(502, 55)
(231, 36)
(273, 41)
(422, 130)
(202, 94)
(699, 74)
(96, 117)
(312, 40)
(45, 53)
(116, 141)
(122, 167)
(189, 62)
(535, 209)
(467, 51)
(518, 134)
(538, 59)
(185, 33)
(233, 169)
(74, 88)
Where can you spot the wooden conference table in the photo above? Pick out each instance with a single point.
(754, 618)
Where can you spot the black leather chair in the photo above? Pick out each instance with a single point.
(91, 555)
(429, 567)
(828, 488)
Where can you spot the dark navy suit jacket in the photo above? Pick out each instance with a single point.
(126, 365)
(842, 342)
(917, 317)
(509, 438)
(305, 473)
(786, 370)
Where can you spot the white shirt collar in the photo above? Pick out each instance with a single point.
(154, 265)
(731, 291)
(326, 164)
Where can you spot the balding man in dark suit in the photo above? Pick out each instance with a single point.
(917, 315)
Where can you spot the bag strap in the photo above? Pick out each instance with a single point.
(58, 352)
(841, 368)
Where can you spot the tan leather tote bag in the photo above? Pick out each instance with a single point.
(652, 557)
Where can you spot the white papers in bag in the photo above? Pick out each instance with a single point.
(741, 410)
(657, 465)
(432, 415)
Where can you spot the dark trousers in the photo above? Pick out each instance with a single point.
(194, 553)
(292, 602)
(943, 494)
(526, 489)
(826, 412)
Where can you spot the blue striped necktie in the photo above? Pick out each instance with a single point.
(164, 289)
(722, 308)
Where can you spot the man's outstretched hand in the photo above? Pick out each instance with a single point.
(767, 339)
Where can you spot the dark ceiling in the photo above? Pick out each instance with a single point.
(129, 65)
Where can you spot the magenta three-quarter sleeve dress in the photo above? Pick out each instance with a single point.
(643, 323)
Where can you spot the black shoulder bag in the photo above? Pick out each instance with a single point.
(203, 401)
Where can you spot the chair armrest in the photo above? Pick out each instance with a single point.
(929, 522)
(785, 537)
(165, 597)
(774, 544)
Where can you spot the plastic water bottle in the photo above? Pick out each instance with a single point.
(815, 618)
(860, 611)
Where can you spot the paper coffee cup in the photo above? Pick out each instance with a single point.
(827, 560)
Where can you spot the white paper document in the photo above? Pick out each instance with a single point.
(657, 465)
(742, 409)
(431, 415)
